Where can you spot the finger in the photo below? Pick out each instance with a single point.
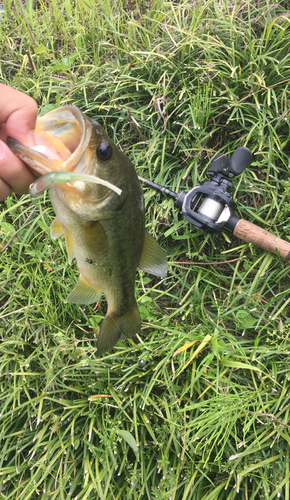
(13, 171)
(4, 190)
(18, 111)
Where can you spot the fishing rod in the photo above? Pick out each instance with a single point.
(210, 206)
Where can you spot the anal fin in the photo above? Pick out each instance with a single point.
(56, 229)
(115, 326)
(84, 293)
(153, 258)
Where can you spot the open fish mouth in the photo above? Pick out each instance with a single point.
(62, 135)
(58, 141)
(58, 149)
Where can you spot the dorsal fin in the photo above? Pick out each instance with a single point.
(153, 258)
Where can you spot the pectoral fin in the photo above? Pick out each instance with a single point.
(84, 293)
(56, 229)
(153, 258)
(115, 326)
(70, 246)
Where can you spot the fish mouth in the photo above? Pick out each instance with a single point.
(58, 142)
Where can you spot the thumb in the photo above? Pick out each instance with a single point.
(18, 111)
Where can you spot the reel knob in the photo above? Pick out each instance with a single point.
(240, 160)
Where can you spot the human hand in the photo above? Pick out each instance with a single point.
(18, 113)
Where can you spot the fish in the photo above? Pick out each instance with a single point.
(99, 208)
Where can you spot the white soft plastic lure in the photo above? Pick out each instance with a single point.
(52, 179)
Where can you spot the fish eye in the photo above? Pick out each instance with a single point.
(104, 151)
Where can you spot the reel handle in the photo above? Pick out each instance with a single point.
(251, 233)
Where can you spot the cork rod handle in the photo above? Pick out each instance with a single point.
(251, 233)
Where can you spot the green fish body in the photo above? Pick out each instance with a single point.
(103, 230)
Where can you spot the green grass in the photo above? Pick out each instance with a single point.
(208, 416)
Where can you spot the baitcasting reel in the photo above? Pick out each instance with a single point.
(210, 206)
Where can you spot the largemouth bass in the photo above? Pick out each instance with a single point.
(103, 229)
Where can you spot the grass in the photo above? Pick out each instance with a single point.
(207, 417)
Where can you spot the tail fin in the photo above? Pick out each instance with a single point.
(115, 325)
